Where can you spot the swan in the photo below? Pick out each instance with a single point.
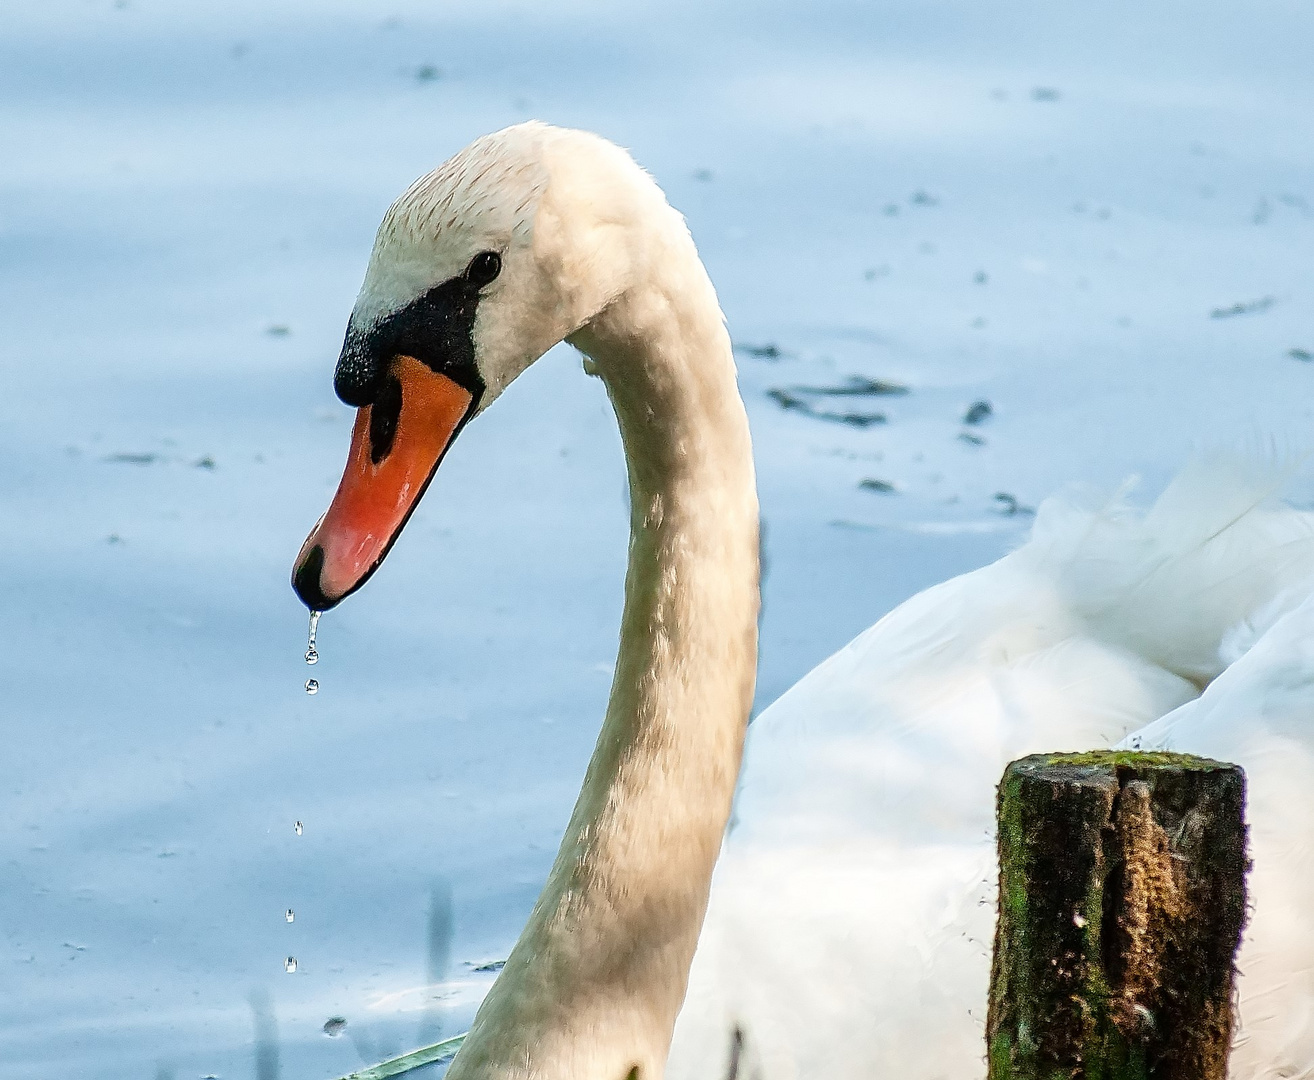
(848, 927)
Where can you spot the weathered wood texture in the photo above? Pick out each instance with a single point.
(1121, 902)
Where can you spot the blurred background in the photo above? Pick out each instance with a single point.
(1078, 236)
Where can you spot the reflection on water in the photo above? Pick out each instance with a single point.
(438, 948)
(266, 1033)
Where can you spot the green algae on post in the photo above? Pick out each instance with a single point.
(1121, 901)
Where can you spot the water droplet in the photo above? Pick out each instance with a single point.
(290, 964)
(291, 915)
(312, 654)
(297, 826)
(312, 687)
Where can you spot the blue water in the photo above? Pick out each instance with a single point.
(1035, 205)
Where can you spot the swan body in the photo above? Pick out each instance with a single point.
(849, 923)
(1260, 712)
(852, 913)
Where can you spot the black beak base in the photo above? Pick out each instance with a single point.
(305, 581)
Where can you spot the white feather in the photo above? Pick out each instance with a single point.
(852, 912)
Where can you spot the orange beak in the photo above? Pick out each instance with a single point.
(396, 446)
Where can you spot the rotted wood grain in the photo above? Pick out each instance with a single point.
(1121, 903)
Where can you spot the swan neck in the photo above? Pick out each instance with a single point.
(593, 986)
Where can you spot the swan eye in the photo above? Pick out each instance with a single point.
(483, 268)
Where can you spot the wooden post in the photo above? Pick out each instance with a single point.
(1121, 901)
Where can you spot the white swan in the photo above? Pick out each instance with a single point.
(848, 925)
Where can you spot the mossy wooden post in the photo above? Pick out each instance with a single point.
(1121, 901)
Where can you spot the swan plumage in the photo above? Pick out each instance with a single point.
(851, 910)
(1259, 712)
(851, 919)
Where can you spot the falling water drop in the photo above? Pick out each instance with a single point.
(312, 687)
(297, 826)
(291, 915)
(290, 964)
(312, 654)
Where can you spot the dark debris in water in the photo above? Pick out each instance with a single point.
(804, 399)
(971, 438)
(1301, 354)
(206, 462)
(1296, 202)
(492, 965)
(855, 386)
(884, 487)
(1009, 506)
(126, 458)
(768, 351)
(791, 400)
(786, 400)
(978, 412)
(1249, 307)
(334, 1026)
(1045, 93)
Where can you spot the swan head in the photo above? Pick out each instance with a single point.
(477, 270)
